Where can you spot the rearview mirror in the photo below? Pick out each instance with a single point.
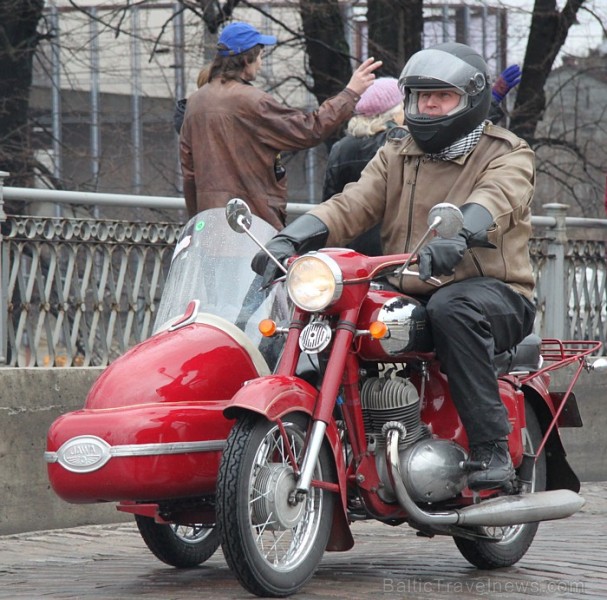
(238, 215)
(600, 365)
(446, 219)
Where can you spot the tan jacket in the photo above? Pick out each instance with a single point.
(229, 140)
(400, 185)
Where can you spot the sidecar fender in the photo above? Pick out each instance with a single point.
(274, 396)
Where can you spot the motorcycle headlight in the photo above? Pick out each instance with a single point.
(314, 282)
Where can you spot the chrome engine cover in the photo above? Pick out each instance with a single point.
(431, 470)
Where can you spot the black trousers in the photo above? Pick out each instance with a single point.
(472, 321)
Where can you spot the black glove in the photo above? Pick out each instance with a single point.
(441, 256)
(304, 234)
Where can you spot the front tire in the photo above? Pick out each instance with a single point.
(180, 546)
(515, 540)
(272, 546)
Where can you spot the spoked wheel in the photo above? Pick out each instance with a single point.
(181, 546)
(272, 544)
(514, 541)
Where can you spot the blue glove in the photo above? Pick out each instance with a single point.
(509, 77)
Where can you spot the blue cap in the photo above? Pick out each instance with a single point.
(239, 37)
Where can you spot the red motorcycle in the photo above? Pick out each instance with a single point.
(205, 428)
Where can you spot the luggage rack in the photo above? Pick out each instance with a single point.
(554, 350)
(557, 354)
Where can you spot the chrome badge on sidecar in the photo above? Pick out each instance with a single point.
(81, 454)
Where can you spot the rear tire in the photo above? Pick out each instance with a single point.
(272, 546)
(180, 546)
(517, 538)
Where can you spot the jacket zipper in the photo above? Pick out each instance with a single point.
(476, 262)
(411, 201)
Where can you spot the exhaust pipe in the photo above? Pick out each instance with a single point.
(494, 512)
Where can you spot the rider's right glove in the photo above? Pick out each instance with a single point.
(442, 255)
(303, 235)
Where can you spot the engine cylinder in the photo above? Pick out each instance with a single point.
(391, 399)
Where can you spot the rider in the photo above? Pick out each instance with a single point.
(484, 304)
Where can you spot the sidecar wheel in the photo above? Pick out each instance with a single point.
(180, 546)
(516, 539)
(272, 546)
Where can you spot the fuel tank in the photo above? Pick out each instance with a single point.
(406, 321)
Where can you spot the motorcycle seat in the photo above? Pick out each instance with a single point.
(525, 357)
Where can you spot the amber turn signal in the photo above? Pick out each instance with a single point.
(378, 330)
(267, 327)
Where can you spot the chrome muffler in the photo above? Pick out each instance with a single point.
(494, 512)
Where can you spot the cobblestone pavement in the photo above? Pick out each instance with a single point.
(568, 559)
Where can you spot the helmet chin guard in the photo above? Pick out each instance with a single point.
(446, 66)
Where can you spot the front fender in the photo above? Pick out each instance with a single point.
(275, 396)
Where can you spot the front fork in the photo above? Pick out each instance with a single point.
(329, 390)
(317, 436)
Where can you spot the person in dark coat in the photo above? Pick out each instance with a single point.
(378, 113)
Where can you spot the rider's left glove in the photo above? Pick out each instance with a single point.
(304, 234)
(442, 255)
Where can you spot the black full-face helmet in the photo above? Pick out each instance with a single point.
(446, 66)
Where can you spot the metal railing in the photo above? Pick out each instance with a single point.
(80, 292)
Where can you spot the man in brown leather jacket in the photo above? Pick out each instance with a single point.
(233, 132)
(483, 303)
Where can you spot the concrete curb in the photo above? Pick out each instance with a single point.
(31, 399)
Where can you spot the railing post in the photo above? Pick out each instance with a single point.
(3, 275)
(555, 284)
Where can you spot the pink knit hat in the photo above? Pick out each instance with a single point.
(379, 98)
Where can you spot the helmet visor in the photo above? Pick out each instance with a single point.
(436, 69)
(412, 101)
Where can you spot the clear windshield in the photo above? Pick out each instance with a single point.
(212, 263)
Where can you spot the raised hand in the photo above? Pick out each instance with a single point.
(509, 78)
(364, 76)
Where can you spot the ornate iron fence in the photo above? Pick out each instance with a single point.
(80, 292)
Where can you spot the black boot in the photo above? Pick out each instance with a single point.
(491, 465)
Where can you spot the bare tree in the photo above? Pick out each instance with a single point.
(19, 38)
(568, 161)
(395, 32)
(548, 32)
(326, 46)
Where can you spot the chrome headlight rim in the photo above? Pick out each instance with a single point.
(335, 272)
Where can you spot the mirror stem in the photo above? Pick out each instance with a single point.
(431, 228)
(243, 223)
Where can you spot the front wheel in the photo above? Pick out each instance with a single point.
(181, 546)
(513, 541)
(272, 544)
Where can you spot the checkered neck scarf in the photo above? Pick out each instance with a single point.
(461, 146)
